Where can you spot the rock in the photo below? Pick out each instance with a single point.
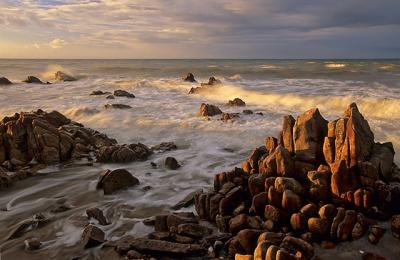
(372, 256)
(32, 243)
(256, 184)
(319, 185)
(376, 233)
(189, 78)
(382, 157)
(164, 147)
(310, 210)
(110, 97)
(123, 93)
(243, 257)
(326, 244)
(297, 244)
(32, 79)
(298, 221)
(368, 174)
(245, 242)
(345, 228)
(255, 157)
(212, 81)
(231, 200)
(271, 253)
(282, 184)
(247, 112)
(341, 212)
(328, 211)
(187, 201)
(99, 93)
(159, 248)
(92, 236)
(97, 214)
(287, 133)
(228, 116)
(236, 102)
(243, 221)
(117, 106)
(395, 226)
(4, 81)
(61, 76)
(291, 201)
(176, 219)
(123, 153)
(273, 213)
(209, 110)
(342, 179)
(279, 163)
(132, 254)
(318, 226)
(194, 230)
(171, 163)
(160, 223)
(111, 181)
(259, 202)
(309, 132)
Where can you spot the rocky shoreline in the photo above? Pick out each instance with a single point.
(317, 184)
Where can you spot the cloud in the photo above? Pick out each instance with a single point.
(186, 25)
(57, 43)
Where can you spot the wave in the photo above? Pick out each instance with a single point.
(49, 73)
(335, 65)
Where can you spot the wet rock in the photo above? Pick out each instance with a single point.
(291, 201)
(395, 226)
(171, 163)
(194, 230)
(123, 93)
(117, 106)
(92, 236)
(111, 181)
(32, 243)
(382, 157)
(209, 110)
(247, 112)
(123, 153)
(345, 228)
(189, 78)
(375, 234)
(37, 221)
(97, 214)
(61, 76)
(99, 93)
(212, 81)
(5, 81)
(32, 79)
(159, 248)
(176, 219)
(236, 102)
(187, 201)
(164, 147)
(243, 221)
(310, 210)
(297, 244)
(110, 97)
(160, 223)
(298, 221)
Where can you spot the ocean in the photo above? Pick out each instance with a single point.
(164, 111)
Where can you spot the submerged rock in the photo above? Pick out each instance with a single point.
(189, 78)
(164, 147)
(61, 76)
(99, 93)
(117, 106)
(97, 214)
(123, 93)
(111, 181)
(92, 236)
(32, 243)
(171, 163)
(32, 79)
(5, 81)
(212, 81)
(209, 110)
(236, 102)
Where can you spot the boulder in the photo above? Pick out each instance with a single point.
(123, 93)
(111, 181)
(189, 78)
(97, 214)
(247, 112)
(328, 211)
(296, 244)
(123, 153)
(345, 228)
(278, 163)
(310, 210)
(318, 226)
(309, 132)
(298, 222)
(193, 230)
(237, 102)
(209, 110)
(343, 179)
(4, 81)
(375, 234)
(92, 236)
(164, 147)
(291, 201)
(281, 184)
(61, 76)
(243, 221)
(171, 163)
(395, 226)
(287, 133)
(32, 79)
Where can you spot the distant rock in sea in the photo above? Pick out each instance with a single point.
(5, 81)
(33, 80)
(61, 76)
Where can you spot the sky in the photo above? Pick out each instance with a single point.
(200, 29)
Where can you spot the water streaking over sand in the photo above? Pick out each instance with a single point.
(163, 111)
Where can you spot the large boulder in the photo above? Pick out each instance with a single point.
(209, 110)
(61, 76)
(5, 81)
(309, 132)
(111, 181)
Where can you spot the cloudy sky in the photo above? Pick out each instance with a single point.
(199, 29)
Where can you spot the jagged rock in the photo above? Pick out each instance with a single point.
(117, 106)
(212, 81)
(189, 78)
(287, 133)
(171, 163)
(123, 93)
(297, 244)
(97, 214)
(32, 79)
(271, 143)
(99, 93)
(278, 163)
(61, 76)
(5, 81)
(209, 110)
(255, 156)
(158, 248)
(281, 184)
(92, 236)
(382, 157)
(319, 185)
(123, 153)
(32, 243)
(111, 181)
(236, 102)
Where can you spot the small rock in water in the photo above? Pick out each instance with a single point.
(189, 78)
(61, 76)
(123, 93)
(32, 79)
(209, 110)
(98, 93)
(164, 147)
(236, 102)
(147, 188)
(32, 243)
(110, 97)
(154, 165)
(247, 112)
(92, 236)
(211, 82)
(97, 214)
(111, 181)
(5, 81)
(171, 163)
(117, 106)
